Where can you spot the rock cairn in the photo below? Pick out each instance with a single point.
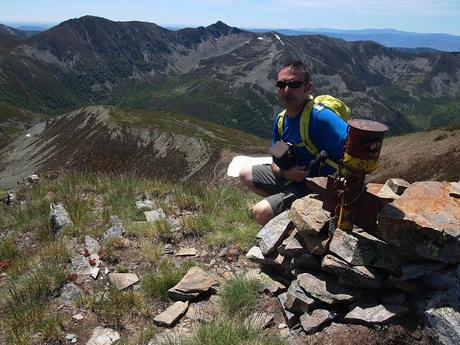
(405, 265)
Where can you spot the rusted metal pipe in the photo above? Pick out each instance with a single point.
(361, 154)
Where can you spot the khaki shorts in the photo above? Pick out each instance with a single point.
(282, 192)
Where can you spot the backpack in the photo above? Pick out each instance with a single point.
(336, 105)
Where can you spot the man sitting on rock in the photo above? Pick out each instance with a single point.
(328, 132)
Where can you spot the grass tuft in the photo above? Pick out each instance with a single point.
(224, 330)
(113, 306)
(238, 296)
(167, 274)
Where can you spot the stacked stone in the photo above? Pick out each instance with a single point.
(360, 277)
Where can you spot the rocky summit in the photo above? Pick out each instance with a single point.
(372, 276)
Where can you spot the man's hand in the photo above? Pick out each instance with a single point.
(296, 173)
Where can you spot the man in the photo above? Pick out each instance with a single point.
(328, 131)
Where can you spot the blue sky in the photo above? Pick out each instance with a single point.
(435, 16)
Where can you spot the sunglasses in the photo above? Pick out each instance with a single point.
(293, 84)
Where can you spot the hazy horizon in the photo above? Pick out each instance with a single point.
(419, 16)
(45, 26)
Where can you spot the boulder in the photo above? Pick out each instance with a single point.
(362, 249)
(91, 245)
(423, 223)
(308, 215)
(273, 233)
(59, 217)
(115, 231)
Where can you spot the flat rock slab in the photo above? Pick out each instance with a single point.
(308, 215)
(380, 314)
(297, 301)
(103, 336)
(259, 320)
(359, 276)
(313, 322)
(194, 283)
(171, 315)
(423, 223)
(273, 233)
(123, 280)
(186, 252)
(362, 249)
(325, 289)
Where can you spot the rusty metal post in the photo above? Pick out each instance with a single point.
(362, 151)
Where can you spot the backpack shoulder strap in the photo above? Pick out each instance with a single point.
(305, 133)
(280, 122)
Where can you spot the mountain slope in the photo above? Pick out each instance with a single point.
(108, 139)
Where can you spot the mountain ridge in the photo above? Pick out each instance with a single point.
(223, 74)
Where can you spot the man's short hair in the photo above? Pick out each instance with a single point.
(299, 65)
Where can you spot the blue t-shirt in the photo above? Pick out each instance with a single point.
(328, 131)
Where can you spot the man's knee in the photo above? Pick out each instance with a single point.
(246, 176)
(262, 212)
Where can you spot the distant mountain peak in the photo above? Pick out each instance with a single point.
(222, 28)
